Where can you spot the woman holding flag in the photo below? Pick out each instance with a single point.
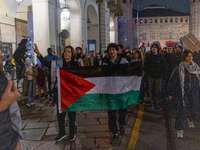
(67, 60)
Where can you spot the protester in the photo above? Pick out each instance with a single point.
(9, 138)
(67, 60)
(154, 68)
(20, 55)
(41, 82)
(80, 55)
(92, 60)
(120, 51)
(99, 58)
(106, 56)
(49, 57)
(196, 57)
(29, 83)
(112, 49)
(144, 87)
(184, 88)
(179, 51)
(137, 56)
(171, 62)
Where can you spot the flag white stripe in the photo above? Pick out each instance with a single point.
(114, 84)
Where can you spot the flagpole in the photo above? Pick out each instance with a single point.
(138, 24)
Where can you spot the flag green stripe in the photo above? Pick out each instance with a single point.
(104, 101)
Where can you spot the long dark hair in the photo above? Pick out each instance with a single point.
(185, 54)
(24, 41)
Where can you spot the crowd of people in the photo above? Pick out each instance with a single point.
(168, 73)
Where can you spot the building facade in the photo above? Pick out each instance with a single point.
(91, 22)
(125, 25)
(194, 19)
(158, 23)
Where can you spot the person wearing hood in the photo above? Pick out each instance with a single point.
(154, 68)
(184, 88)
(20, 55)
(49, 57)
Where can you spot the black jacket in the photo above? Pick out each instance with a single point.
(154, 66)
(8, 136)
(96, 62)
(171, 62)
(20, 51)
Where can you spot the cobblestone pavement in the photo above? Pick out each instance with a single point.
(40, 127)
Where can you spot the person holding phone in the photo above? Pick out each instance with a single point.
(9, 138)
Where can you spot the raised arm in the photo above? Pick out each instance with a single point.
(83, 49)
(41, 58)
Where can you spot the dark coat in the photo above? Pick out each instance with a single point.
(191, 83)
(154, 66)
(20, 51)
(196, 58)
(8, 136)
(171, 62)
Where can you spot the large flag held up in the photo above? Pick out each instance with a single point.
(99, 88)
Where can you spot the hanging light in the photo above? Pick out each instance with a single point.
(65, 13)
(88, 23)
(19, 1)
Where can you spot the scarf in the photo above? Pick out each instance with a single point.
(193, 69)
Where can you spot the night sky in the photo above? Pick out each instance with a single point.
(178, 5)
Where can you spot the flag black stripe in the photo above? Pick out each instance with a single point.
(132, 69)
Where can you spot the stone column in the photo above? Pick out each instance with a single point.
(46, 25)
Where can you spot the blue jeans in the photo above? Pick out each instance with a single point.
(30, 92)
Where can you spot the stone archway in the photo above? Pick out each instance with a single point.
(93, 30)
(112, 31)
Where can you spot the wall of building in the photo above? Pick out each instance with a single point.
(178, 29)
(125, 24)
(194, 19)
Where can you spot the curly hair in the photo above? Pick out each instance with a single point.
(72, 50)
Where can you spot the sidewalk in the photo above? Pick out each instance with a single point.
(39, 124)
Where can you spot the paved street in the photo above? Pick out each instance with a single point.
(39, 124)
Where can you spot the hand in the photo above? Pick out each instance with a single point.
(171, 97)
(36, 50)
(29, 73)
(1, 54)
(9, 96)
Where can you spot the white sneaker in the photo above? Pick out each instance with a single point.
(72, 138)
(32, 103)
(28, 105)
(190, 124)
(180, 134)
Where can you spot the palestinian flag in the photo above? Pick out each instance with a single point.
(98, 88)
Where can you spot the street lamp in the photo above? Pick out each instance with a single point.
(19, 1)
(65, 13)
(88, 23)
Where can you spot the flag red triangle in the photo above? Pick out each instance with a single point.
(72, 87)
